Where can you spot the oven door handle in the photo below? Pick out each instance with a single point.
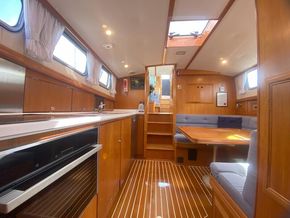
(15, 198)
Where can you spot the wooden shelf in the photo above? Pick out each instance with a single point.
(160, 147)
(159, 133)
(156, 122)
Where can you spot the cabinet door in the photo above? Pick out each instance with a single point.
(91, 209)
(109, 167)
(252, 107)
(126, 154)
(241, 108)
(82, 101)
(44, 96)
(200, 93)
(140, 136)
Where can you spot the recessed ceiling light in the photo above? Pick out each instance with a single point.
(108, 32)
(104, 26)
(108, 46)
(224, 61)
(126, 65)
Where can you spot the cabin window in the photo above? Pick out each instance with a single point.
(252, 79)
(11, 15)
(165, 83)
(105, 78)
(71, 53)
(187, 28)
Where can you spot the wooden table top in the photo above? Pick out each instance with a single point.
(216, 136)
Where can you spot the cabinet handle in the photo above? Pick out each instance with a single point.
(119, 140)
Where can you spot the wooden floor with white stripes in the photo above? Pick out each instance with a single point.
(161, 189)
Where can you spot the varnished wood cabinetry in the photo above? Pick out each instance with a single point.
(82, 101)
(91, 209)
(44, 96)
(140, 136)
(200, 93)
(114, 162)
(126, 150)
(247, 107)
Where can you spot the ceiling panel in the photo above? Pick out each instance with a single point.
(234, 40)
(180, 60)
(138, 29)
(198, 9)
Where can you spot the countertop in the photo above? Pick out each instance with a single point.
(56, 122)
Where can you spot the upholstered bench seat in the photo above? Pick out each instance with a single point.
(179, 137)
(219, 167)
(239, 179)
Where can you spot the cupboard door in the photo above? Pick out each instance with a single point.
(82, 101)
(126, 154)
(242, 108)
(109, 167)
(91, 209)
(200, 93)
(45, 96)
(252, 108)
(140, 136)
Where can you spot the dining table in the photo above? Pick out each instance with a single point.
(216, 137)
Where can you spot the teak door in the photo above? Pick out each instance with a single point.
(109, 167)
(273, 195)
(126, 154)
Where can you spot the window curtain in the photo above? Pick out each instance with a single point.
(94, 68)
(42, 31)
(91, 68)
(113, 87)
(241, 82)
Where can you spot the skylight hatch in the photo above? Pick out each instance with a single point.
(189, 33)
(187, 28)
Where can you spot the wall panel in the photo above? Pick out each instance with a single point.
(206, 104)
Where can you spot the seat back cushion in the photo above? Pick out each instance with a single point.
(249, 122)
(249, 192)
(230, 122)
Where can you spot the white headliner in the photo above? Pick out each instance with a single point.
(138, 29)
(235, 39)
(198, 9)
(139, 32)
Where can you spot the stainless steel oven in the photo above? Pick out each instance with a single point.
(31, 169)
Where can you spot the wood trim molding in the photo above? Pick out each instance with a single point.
(197, 72)
(54, 12)
(169, 18)
(224, 12)
(28, 63)
(247, 99)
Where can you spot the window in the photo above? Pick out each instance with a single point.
(187, 28)
(11, 14)
(70, 53)
(252, 79)
(105, 78)
(165, 91)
